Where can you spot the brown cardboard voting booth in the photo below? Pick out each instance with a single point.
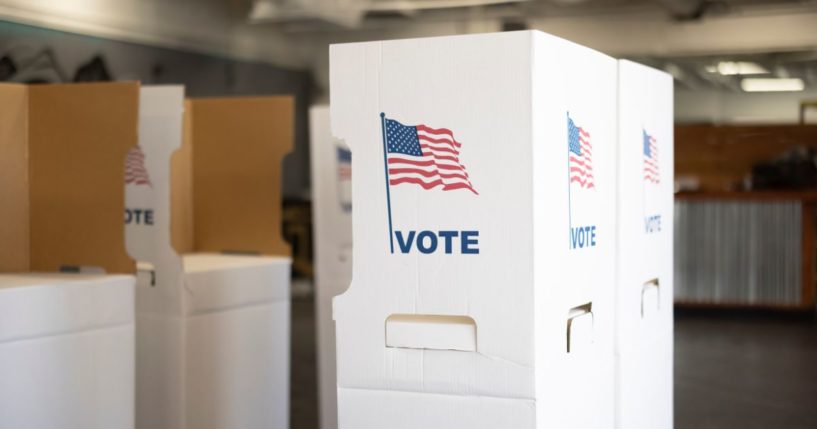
(213, 284)
(62, 171)
(226, 184)
(66, 293)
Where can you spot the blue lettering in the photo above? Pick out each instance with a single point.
(583, 236)
(405, 245)
(138, 216)
(420, 242)
(652, 224)
(428, 242)
(447, 236)
(469, 239)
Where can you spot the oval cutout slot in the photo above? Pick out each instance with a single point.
(431, 332)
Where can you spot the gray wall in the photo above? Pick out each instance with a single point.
(203, 75)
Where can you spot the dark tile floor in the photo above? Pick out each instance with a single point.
(303, 379)
(731, 371)
(745, 371)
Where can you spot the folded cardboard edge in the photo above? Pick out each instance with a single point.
(225, 282)
(227, 176)
(68, 185)
(55, 304)
(14, 212)
(433, 395)
(181, 189)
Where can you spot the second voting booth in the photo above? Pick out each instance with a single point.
(66, 282)
(644, 292)
(332, 209)
(484, 233)
(203, 220)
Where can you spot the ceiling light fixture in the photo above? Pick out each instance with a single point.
(731, 68)
(755, 84)
(413, 5)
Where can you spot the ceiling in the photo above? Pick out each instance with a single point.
(688, 38)
(318, 15)
(719, 72)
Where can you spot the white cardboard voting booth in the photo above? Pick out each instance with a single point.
(66, 283)
(203, 220)
(484, 233)
(644, 320)
(332, 217)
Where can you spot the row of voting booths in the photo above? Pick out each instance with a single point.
(512, 228)
(177, 317)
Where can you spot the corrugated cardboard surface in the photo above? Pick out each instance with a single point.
(238, 146)
(13, 178)
(644, 278)
(77, 138)
(181, 190)
(523, 89)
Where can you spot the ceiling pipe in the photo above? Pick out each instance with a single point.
(692, 10)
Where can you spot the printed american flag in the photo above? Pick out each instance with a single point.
(580, 155)
(344, 157)
(135, 171)
(425, 156)
(651, 173)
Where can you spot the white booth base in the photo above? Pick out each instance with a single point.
(66, 351)
(364, 408)
(232, 341)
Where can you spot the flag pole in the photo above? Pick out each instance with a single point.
(386, 170)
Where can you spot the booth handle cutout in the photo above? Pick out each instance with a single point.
(647, 289)
(575, 317)
(431, 332)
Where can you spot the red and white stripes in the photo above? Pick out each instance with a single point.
(439, 166)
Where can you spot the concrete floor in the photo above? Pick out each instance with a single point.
(303, 375)
(745, 371)
(731, 371)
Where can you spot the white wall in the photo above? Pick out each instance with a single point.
(215, 27)
(740, 107)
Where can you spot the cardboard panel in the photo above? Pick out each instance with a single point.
(181, 190)
(79, 136)
(239, 144)
(13, 178)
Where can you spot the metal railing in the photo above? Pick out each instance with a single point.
(738, 252)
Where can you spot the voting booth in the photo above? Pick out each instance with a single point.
(66, 282)
(332, 217)
(204, 221)
(484, 233)
(644, 293)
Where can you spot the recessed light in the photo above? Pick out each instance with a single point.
(731, 68)
(755, 84)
